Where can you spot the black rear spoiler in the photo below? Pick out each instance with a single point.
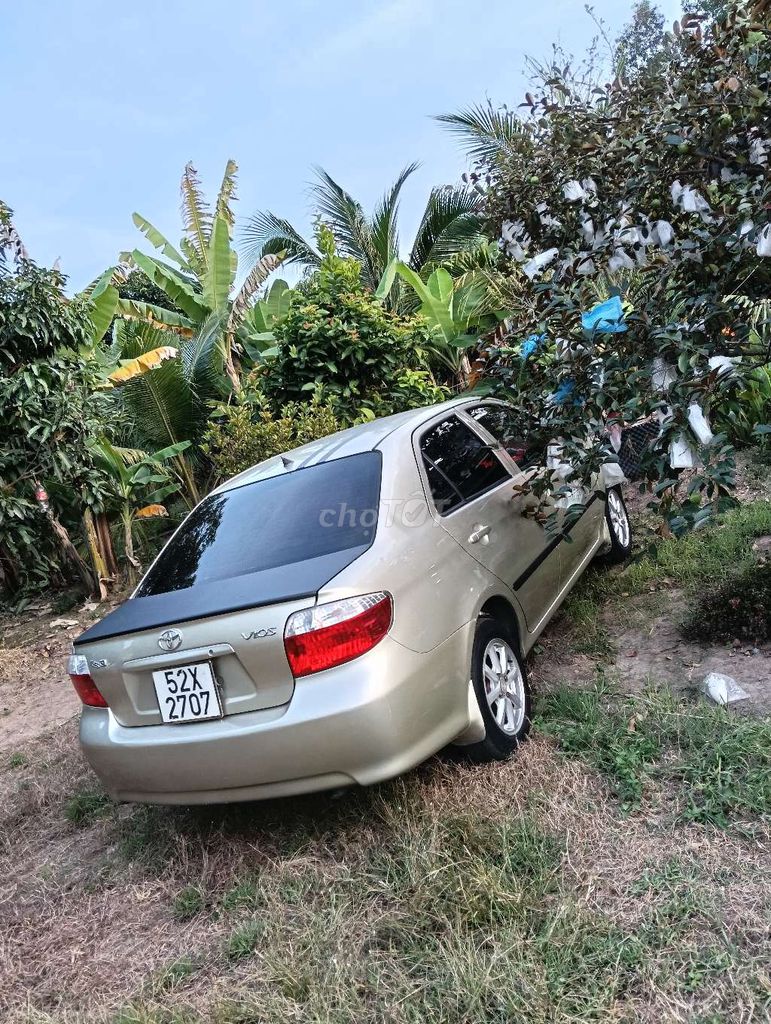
(252, 590)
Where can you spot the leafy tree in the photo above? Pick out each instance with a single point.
(450, 224)
(715, 10)
(337, 340)
(656, 191)
(641, 43)
(50, 404)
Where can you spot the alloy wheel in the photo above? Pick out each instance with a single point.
(504, 686)
(619, 522)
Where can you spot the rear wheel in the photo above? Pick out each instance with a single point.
(502, 691)
(618, 527)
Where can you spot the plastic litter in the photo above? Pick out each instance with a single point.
(722, 689)
(606, 318)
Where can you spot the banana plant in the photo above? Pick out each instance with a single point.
(455, 308)
(262, 317)
(198, 276)
(132, 473)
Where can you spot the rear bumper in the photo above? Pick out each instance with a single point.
(356, 724)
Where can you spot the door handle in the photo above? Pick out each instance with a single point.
(478, 534)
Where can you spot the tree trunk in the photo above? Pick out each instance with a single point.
(71, 555)
(464, 372)
(185, 472)
(97, 556)
(105, 543)
(128, 538)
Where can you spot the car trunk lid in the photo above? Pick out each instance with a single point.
(245, 651)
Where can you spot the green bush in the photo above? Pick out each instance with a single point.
(338, 338)
(248, 433)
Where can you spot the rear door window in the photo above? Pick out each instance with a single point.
(272, 522)
(458, 464)
(502, 423)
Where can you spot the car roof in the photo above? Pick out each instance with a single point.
(363, 438)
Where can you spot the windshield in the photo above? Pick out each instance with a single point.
(271, 523)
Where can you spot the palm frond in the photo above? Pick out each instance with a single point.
(203, 355)
(383, 226)
(161, 405)
(345, 217)
(266, 234)
(196, 214)
(485, 131)
(451, 223)
(226, 195)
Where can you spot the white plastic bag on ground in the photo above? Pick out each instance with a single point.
(722, 689)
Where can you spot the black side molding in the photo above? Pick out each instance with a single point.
(555, 542)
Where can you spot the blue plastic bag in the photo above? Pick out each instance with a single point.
(606, 318)
(530, 344)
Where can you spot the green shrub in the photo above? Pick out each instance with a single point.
(247, 433)
(338, 338)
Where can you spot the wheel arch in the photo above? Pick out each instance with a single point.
(498, 607)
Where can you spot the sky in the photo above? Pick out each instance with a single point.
(103, 103)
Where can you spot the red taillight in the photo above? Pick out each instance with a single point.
(85, 687)
(331, 634)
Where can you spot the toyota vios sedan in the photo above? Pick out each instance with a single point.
(335, 615)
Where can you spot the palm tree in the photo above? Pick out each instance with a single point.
(451, 224)
(486, 132)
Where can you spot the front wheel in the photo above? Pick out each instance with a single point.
(501, 689)
(618, 527)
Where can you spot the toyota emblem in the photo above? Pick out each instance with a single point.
(169, 640)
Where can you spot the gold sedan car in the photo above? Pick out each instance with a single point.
(335, 615)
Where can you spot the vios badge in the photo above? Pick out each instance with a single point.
(259, 634)
(169, 640)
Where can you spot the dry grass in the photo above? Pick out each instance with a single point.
(474, 894)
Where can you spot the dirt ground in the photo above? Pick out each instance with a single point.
(36, 694)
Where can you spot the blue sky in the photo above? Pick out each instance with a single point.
(103, 104)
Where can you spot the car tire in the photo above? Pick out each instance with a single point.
(619, 528)
(506, 718)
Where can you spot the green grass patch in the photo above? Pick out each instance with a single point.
(583, 611)
(245, 893)
(720, 762)
(189, 902)
(243, 940)
(708, 555)
(86, 807)
(18, 760)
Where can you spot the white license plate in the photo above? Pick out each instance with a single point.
(187, 693)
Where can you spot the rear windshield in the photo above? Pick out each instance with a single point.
(270, 523)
